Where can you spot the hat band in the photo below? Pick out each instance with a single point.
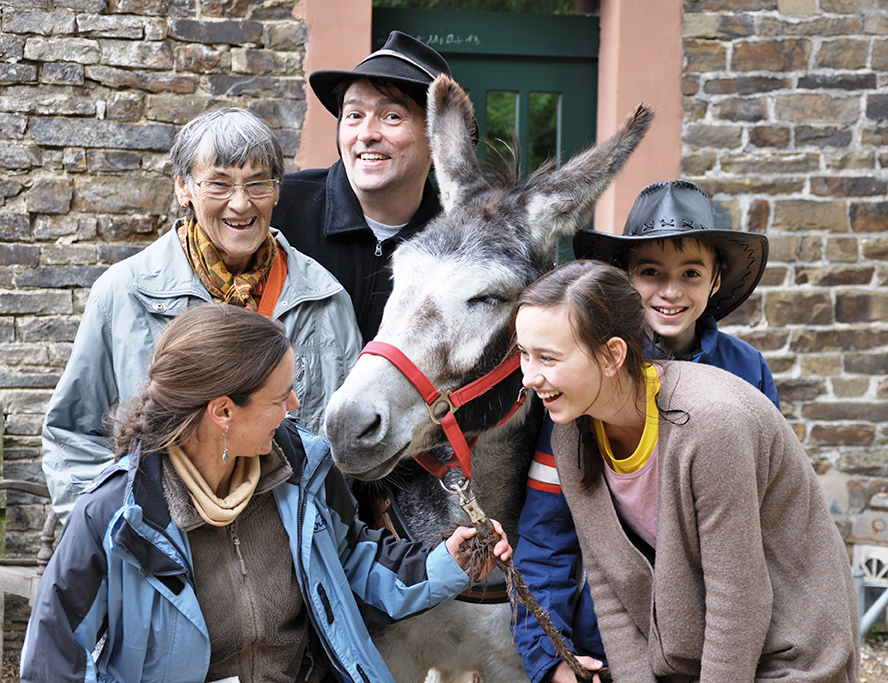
(398, 55)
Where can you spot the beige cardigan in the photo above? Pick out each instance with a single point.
(752, 580)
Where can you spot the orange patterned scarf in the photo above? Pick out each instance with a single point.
(211, 271)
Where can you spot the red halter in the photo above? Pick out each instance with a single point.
(443, 405)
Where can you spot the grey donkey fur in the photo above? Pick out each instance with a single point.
(454, 287)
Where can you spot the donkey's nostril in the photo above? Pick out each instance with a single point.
(371, 428)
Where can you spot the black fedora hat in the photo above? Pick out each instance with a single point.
(677, 208)
(402, 60)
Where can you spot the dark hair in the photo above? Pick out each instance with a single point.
(211, 350)
(601, 304)
(622, 256)
(385, 87)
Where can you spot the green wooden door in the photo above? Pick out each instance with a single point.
(533, 75)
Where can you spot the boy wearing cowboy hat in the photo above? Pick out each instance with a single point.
(690, 273)
(351, 216)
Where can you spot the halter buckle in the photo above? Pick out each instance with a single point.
(442, 402)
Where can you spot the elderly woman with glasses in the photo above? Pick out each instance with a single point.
(227, 167)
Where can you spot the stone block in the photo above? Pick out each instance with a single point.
(18, 73)
(716, 25)
(178, 109)
(280, 113)
(703, 135)
(770, 136)
(122, 195)
(46, 328)
(833, 340)
(758, 216)
(815, 107)
(690, 86)
(862, 307)
(810, 249)
(25, 425)
(833, 276)
(127, 227)
(804, 7)
(63, 275)
(848, 186)
(877, 107)
(821, 364)
(854, 160)
(876, 249)
(28, 380)
(697, 163)
(874, 135)
(882, 389)
(797, 215)
(11, 47)
(252, 61)
(89, 6)
(869, 217)
(12, 254)
(838, 82)
(695, 109)
(154, 8)
(136, 54)
(111, 161)
(9, 188)
(62, 74)
(869, 364)
(54, 227)
(111, 26)
(14, 227)
(198, 58)
(744, 109)
(141, 80)
(55, 49)
(774, 276)
(12, 126)
(46, 302)
(74, 159)
(232, 32)
(255, 86)
(54, 132)
(49, 196)
(772, 163)
(879, 55)
(124, 106)
(702, 56)
(745, 85)
(845, 6)
(19, 157)
(842, 249)
(751, 185)
(846, 411)
(842, 435)
(224, 8)
(799, 308)
(68, 254)
(822, 136)
(40, 23)
(47, 100)
(771, 55)
(795, 389)
(284, 35)
(849, 54)
(114, 253)
(866, 462)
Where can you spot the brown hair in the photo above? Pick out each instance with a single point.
(601, 304)
(211, 350)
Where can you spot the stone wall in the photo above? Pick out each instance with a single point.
(786, 123)
(91, 94)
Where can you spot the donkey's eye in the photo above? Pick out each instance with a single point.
(486, 300)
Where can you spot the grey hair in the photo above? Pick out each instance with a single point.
(226, 137)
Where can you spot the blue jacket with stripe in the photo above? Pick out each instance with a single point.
(123, 572)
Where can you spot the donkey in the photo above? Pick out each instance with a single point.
(454, 286)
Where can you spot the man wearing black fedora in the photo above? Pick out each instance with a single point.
(352, 215)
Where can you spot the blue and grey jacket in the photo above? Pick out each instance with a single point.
(123, 573)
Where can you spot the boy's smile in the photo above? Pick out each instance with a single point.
(675, 284)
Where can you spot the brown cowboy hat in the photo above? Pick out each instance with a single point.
(677, 208)
(403, 60)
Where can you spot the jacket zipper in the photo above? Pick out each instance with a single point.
(235, 539)
(378, 248)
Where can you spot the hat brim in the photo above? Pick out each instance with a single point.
(324, 83)
(745, 253)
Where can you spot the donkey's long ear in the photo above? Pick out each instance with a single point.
(450, 122)
(562, 201)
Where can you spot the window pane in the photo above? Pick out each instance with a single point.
(545, 129)
(501, 117)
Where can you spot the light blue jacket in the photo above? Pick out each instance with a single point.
(123, 569)
(128, 308)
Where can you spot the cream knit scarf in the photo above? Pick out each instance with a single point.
(214, 510)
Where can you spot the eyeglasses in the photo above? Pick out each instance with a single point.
(217, 189)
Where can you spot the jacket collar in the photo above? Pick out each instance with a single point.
(343, 212)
